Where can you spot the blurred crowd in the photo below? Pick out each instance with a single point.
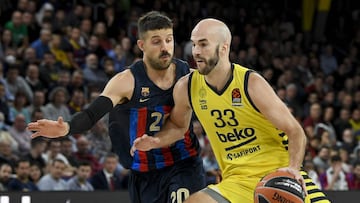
(57, 55)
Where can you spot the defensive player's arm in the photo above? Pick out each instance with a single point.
(175, 126)
(119, 88)
(271, 106)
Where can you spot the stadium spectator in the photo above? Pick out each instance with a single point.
(84, 153)
(41, 45)
(38, 102)
(94, 75)
(33, 77)
(16, 82)
(334, 178)
(80, 181)
(18, 30)
(21, 134)
(53, 153)
(353, 178)
(49, 70)
(77, 101)
(22, 182)
(19, 107)
(107, 178)
(5, 175)
(53, 181)
(99, 139)
(57, 106)
(36, 172)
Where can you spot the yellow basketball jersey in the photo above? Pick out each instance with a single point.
(244, 142)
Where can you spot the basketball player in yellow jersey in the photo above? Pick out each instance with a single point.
(251, 131)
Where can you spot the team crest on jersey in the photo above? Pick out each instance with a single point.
(145, 91)
(236, 97)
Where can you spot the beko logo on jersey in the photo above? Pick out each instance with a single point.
(246, 135)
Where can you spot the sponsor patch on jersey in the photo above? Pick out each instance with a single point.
(236, 97)
(203, 101)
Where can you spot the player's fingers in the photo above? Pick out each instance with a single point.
(60, 119)
(304, 186)
(136, 141)
(34, 135)
(33, 127)
(132, 150)
(41, 122)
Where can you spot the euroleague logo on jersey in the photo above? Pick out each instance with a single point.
(236, 97)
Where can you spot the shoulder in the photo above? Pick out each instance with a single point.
(124, 77)
(183, 81)
(180, 64)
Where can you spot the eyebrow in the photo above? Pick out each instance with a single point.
(201, 40)
(156, 36)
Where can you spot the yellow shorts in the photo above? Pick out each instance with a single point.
(241, 190)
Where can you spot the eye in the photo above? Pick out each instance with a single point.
(203, 44)
(168, 40)
(156, 41)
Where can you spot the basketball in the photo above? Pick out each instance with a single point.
(278, 186)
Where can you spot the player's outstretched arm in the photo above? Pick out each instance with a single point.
(175, 126)
(117, 89)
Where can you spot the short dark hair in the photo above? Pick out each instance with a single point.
(153, 20)
(112, 155)
(335, 158)
(83, 163)
(22, 160)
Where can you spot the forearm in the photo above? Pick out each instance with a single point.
(169, 134)
(86, 119)
(297, 144)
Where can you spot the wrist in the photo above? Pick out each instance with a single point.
(67, 129)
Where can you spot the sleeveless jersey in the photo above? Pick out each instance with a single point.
(144, 113)
(244, 142)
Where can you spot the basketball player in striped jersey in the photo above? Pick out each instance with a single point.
(139, 99)
(251, 131)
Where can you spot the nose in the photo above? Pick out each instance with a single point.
(164, 46)
(195, 50)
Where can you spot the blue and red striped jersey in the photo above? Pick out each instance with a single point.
(144, 113)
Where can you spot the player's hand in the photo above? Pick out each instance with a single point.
(144, 143)
(297, 176)
(49, 128)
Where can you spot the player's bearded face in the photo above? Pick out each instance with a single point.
(162, 61)
(210, 63)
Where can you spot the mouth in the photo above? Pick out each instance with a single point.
(165, 56)
(199, 61)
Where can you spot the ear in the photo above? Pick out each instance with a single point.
(225, 48)
(140, 44)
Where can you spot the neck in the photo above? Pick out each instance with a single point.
(220, 75)
(162, 78)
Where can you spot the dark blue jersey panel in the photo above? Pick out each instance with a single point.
(145, 113)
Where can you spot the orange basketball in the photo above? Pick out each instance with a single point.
(278, 186)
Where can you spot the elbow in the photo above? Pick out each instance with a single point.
(297, 133)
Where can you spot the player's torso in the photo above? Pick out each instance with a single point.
(242, 139)
(145, 113)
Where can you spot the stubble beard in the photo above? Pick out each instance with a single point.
(159, 64)
(210, 63)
